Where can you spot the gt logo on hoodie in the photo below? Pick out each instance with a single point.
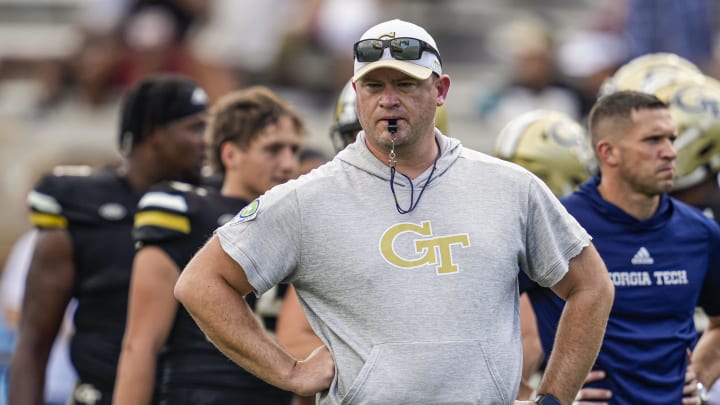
(401, 240)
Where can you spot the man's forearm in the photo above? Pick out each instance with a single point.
(577, 342)
(26, 379)
(230, 324)
(706, 357)
(212, 288)
(135, 380)
(250, 346)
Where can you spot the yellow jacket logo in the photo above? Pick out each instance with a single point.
(430, 249)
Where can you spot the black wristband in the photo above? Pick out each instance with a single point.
(547, 399)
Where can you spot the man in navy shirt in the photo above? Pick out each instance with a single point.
(662, 255)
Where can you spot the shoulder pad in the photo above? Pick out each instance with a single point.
(187, 188)
(162, 214)
(45, 211)
(76, 194)
(72, 170)
(163, 200)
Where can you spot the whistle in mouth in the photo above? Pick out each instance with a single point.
(392, 126)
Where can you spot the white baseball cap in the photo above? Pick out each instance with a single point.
(420, 69)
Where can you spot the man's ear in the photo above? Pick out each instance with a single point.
(228, 154)
(442, 84)
(607, 153)
(155, 138)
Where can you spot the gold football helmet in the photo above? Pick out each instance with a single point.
(345, 120)
(551, 145)
(695, 108)
(648, 72)
(346, 126)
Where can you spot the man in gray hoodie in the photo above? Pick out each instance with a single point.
(404, 251)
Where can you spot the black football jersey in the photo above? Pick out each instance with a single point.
(179, 218)
(97, 210)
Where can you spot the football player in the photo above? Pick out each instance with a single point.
(694, 101)
(695, 107)
(84, 247)
(647, 72)
(557, 149)
(551, 145)
(255, 138)
(656, 291)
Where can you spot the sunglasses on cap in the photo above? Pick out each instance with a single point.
(404, 48)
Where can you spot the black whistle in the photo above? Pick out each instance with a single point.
(392, 126)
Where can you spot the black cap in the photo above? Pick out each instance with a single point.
(157, 101)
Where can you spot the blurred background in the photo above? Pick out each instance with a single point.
(64, 64)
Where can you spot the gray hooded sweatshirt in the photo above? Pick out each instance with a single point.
(416, 308)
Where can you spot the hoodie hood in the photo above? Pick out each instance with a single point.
(358, 155)
(613, 213)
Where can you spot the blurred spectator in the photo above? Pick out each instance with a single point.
(534, 82)
(316, 46)
(93, 67)
(591, 55)
(239, 42)
(154, 36)
(588, 59)
(683, 27)
(88, 77)
(118, 43)
(299, 44)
